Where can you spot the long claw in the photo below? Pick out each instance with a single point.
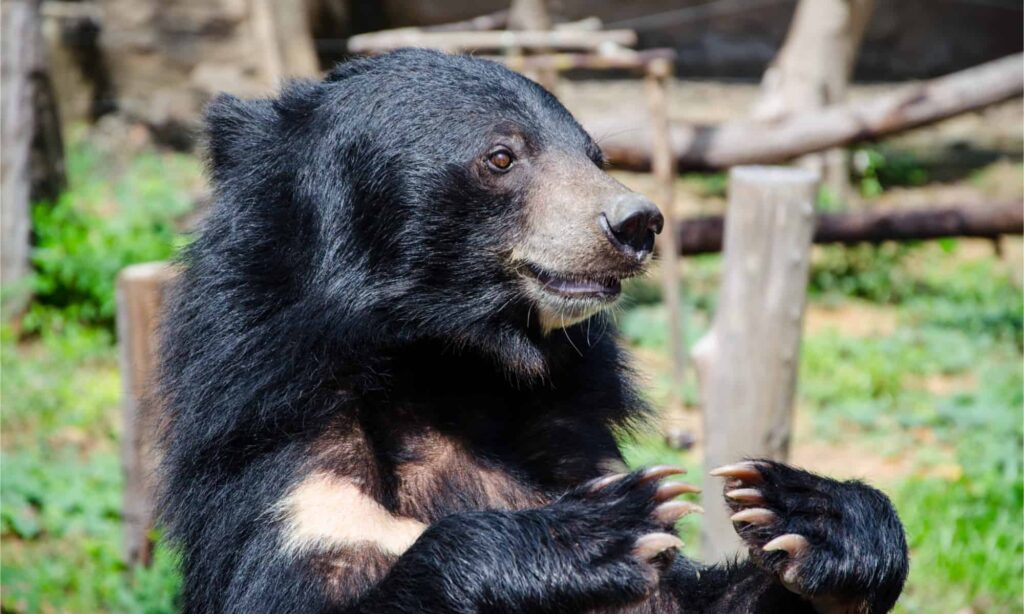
(791, 543)
(605, 481)
(746, 495)
(746, 471)
(754, 515)
(671, 490)
(669, 513)
(658, 472)
(651, 545)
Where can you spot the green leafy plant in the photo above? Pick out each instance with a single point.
(872, 272)
(878, 170)
(98, 227)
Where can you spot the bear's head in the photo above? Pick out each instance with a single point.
(422, 196)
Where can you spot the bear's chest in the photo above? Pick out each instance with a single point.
(416, 469)
(440, 475)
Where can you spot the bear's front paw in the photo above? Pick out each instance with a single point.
(621, 529)
(839, 544)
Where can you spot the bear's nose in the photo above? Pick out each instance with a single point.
(630, 222)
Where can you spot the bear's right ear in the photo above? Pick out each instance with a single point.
(235, 129)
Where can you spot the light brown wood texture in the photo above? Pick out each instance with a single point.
(16, 63)
(141, 290)
(627, 144)
(167, 59)
(619, 59)
(747, 362)
(32, 159)
(659, 75)
(529, 15)
(504, 39)
(812, 70)
(703, 235)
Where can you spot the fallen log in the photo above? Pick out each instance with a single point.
(377, 42)
(628, 146)
(703, 235)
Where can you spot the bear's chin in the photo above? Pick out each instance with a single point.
(554, 319)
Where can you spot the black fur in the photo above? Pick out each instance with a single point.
(348, 305)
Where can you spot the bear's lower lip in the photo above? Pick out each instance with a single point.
(576, 286)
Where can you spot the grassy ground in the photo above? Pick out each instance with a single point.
(910, 376)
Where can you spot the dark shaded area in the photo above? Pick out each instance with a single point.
(81, 35)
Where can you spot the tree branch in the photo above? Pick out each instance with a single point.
(760, 142)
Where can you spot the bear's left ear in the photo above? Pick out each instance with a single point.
(235, 129)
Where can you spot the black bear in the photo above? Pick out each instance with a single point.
(389, 385)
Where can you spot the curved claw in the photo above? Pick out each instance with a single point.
(669, 513)
(652, 474)
(746, 471)
(604, 482)
(651, 545)
(791, 543)
(746, 495)
(671, 490)
(754, 515)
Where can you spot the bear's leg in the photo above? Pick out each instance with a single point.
(839, 545)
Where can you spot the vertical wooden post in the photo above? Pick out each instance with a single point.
(140, 296)
(32, 160)
(533, 15)
(663, 163)
(747, 363)
(812, 70)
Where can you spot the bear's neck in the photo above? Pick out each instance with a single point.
(464, 385)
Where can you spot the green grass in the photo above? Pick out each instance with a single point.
(60, 496)
(962, 501)
(60, 493)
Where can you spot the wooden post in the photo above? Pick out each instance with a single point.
(140, 296)
(32, 160)
(663, 163)
(747, 363)
(813, 69)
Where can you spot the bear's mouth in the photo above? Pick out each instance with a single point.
(575, 286)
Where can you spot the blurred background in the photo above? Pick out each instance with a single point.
(909, 371)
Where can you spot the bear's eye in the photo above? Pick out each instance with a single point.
(500, 160)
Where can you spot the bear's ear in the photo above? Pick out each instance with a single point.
(235, 129)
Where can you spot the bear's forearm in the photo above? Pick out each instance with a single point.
(466, 562)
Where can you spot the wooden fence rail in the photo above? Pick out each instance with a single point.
(702, 235)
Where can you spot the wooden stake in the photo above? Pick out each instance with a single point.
(659, 71)
(140, 297)
(747, 363)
